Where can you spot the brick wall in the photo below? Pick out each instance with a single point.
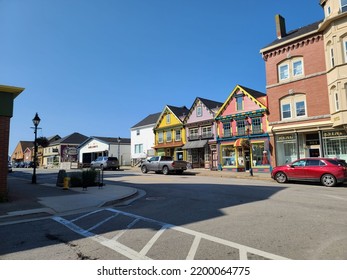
(4, 144)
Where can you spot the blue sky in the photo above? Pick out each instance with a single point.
(98, 67)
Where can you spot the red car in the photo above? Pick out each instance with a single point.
(327, 171)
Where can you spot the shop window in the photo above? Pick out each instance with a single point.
(259, 155)
(228, 155)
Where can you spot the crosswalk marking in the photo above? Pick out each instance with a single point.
(132, 254)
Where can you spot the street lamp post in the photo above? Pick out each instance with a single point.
(118, 140)
(249, 126)
(36, 121)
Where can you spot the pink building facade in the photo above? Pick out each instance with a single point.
(242, 138)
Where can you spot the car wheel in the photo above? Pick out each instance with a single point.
(144, 169)
(328, 180)
(280, 177)
(165, 170)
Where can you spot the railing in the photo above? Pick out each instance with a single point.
(199, 137)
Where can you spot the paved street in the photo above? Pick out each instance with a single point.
(191, 217)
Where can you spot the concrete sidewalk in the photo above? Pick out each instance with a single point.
(27, 200)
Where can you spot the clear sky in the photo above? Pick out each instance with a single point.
(98, 67)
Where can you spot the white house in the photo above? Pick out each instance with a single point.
(142, 138)
(95, 146)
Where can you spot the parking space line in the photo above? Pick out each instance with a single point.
(193, 248)
(129, 226)
(102, 222)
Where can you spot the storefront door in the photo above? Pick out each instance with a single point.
(247, 160)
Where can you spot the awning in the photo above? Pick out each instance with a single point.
(195, 144)
(241, 142)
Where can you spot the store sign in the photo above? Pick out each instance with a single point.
(334, 133)
(312, 142)
(286, 137)
(72, 151)
(92, 145)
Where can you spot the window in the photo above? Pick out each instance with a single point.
(168, 120)
(228, 155)
(300, 109)
(178, 135)
(286, 111)
(193, 133)
(256, 126)
(345, 49)
(328, 11)
(160, 137)
(291, 68)
(293, 106)
(343, 5)
(239, 103)
(284, 73)
(138, 148)
(332, 59)
(207, 132)
(168, 136)
(297, 68)
(199, 111)
(337, 105)
(241, 127)
(138, 132)
(226, 128)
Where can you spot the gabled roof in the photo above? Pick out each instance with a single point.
(256, 96)
(51, 138)
(74, 138)
(179, 111)
(26, 144)
(291, 35)
(210, 104)
(150, 119)
(107, 140)
(112, 140)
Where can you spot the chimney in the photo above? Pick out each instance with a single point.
(280, 26)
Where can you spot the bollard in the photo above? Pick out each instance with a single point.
(66, 183)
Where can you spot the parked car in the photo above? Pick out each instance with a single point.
(164, 164)
(9, 164)
(327, 171)
(28, 164)
(105, 163)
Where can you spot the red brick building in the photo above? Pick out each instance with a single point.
(298, 100)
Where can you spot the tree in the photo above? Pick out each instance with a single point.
(42, 141)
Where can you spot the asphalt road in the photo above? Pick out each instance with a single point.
(193, 217)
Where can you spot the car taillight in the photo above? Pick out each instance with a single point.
(173, 164)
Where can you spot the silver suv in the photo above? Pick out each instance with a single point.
(105, 163)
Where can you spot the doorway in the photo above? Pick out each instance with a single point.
(314, 152)
(247, 160)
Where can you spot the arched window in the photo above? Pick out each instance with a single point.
(291, 68)
(293, 106)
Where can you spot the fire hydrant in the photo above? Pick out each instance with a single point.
(66, 183)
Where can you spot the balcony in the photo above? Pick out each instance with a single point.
(195, 137)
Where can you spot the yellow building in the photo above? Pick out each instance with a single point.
(170, 134)
(334, 28)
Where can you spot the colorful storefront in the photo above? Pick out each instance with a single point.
(243, 142)
(169, 131)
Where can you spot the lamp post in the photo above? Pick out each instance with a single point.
(36, 121)
(118, 140)
(249, 126)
